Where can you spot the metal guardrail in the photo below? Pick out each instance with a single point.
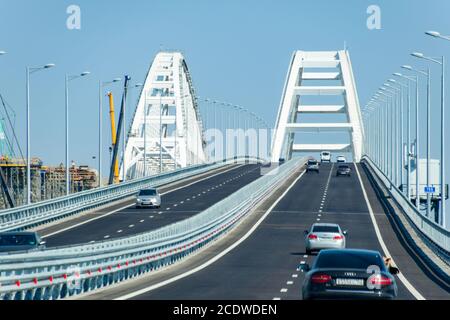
(50, 210)
(430, 229)
(67, 271)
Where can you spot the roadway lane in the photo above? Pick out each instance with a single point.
(177, 205)
(265, 265)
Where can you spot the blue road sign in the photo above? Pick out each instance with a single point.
(430, 189)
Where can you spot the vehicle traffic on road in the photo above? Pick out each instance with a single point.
(325, 156)
(341, 159)
(148, 198)
(312, 165)
(343, 170)
(324, 236)
(20, 241)
(349, 274)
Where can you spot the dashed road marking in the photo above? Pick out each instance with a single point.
(284, 290)
(131, 226)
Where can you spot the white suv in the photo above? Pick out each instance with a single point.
(325, 156)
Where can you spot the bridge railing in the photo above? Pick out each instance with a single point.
(439, 236)
(66, 271)
(49, 210)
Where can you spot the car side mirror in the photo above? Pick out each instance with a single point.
(394, 270)
(304, 267)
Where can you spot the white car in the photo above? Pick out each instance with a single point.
(325, 156)
(341, 159)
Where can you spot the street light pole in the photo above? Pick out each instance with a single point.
(442, 161)
(67, 80)
(30, 70)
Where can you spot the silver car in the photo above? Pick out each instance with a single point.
(324, 236)
(148, 198)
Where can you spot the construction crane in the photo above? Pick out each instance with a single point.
(119, 130)
(113, 136)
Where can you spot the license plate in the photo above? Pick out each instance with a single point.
(349, 282)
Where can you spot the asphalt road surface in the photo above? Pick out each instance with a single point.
(265, 265)
(124, 219)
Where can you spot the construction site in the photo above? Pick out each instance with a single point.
(47, 182)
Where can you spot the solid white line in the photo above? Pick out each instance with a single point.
(130, 205)
(402, 278)
(215, 258)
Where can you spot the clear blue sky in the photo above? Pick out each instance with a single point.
(237, 51)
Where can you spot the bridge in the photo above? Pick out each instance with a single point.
(231, 227)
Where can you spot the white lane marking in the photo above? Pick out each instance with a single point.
(276, 298)
(188, 199)
(318, 219)
(302, 262)
(119, 231)
(142, 221)
(93, 241)
(284, 290)
(305, 256)
(131, 205)
(215, 258)
(175, 205)
(181, 202)
(295, 275)
(131, 226)
(167, 208)
(106, 237)
(290, 283)
(402, 278)
(151, 217)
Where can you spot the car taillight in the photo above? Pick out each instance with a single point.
(338, 237)
(320, 278)
(312, 236)
(381, 280)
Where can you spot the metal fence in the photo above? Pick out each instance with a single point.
(50, 210)
(439, 236)
(66, 271)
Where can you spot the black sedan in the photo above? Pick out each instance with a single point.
(343, 170)
(349, 274)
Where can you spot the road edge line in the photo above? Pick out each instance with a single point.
(401, 277)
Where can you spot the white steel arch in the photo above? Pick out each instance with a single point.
(166, 122)
(316, 65)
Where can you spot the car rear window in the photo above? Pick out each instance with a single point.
(325, 229)
(312, 162)
(147, 192)
(17, 240)
(344, 167)
(348, 260)
(325, 153)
